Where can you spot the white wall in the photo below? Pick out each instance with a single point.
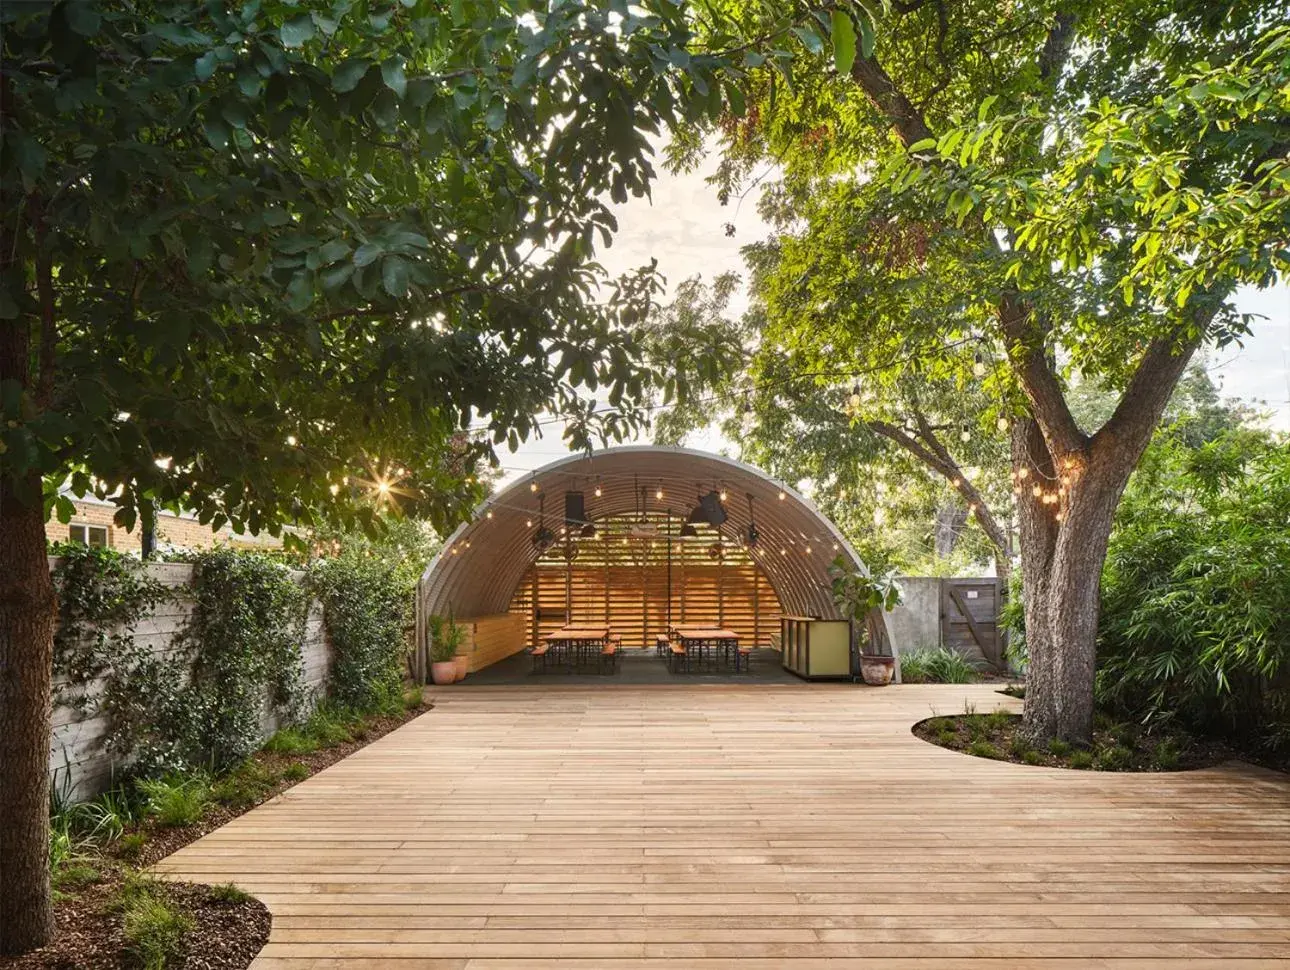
(80, 766)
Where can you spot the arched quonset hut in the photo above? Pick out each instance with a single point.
(621, 536)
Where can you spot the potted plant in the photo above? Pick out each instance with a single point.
(462, 658)
(445, 638)
(864, 597)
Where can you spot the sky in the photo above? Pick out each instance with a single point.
(683, 228)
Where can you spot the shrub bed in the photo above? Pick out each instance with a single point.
(109, 914)
(1117, 746)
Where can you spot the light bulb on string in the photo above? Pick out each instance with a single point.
(978, 366)
(599, 491)
(966, 434)
(782, 496)
(1003, 424)
(854, 399)
(1023, 472)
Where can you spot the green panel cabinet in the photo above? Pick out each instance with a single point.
(814, 648)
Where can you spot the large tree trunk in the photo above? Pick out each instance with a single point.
(27, 613)
(1061, 563)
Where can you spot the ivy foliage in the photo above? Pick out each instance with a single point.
(100, 592)
(204, 701)
(243, 647)
(367, 609)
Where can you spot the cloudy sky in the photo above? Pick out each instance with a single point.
(682, 227)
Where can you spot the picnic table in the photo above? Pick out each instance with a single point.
(698, 640)
(575, 643)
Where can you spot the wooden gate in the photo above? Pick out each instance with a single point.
(969, 618)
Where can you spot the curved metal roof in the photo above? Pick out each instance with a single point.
(481, 565)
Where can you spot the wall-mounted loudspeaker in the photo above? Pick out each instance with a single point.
(575, 509)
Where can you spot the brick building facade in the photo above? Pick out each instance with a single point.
(92, 523)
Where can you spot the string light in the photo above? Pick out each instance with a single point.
(528, 523)
(854, 399)
(723, 495)
(334, 489)
(599, 492)
(978, 366)
(1037, 491)
(782, 496)
(658, 493)
(1023, 472)
(1003, 424)
(808, 550)
(490, 513)
(533, 486)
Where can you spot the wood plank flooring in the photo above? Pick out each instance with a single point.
(762, 826)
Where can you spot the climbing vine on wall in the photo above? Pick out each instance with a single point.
(366, 609)
(203, 702)
(243, 645)
(100, 594)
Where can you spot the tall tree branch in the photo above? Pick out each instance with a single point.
(933, 454)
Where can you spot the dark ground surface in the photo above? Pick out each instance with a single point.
(635, 668)
(225, 935)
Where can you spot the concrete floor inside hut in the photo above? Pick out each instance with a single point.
(635, 668)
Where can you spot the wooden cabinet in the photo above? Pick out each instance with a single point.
(814, 648)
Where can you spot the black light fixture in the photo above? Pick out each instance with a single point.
(543, 537)
(753, 534)
(714, 513)
(688, 531)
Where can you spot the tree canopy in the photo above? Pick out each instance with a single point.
(289, 246)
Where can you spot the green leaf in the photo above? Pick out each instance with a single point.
(394, 78)
(217, 133)
(65, 508)
(844, 42)
(495, 117)
(82, 17)
(300, 292)
(368, 253)
(297, 31)
(866, 36)
(395, 276)
(346, 77)
(205, 66)
(810, 38)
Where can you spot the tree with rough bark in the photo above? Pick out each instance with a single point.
(276, 263)
(1067, 188)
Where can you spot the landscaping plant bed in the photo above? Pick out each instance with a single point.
(115, 918)
(1116, 746)
(110, 914)
(286, 761)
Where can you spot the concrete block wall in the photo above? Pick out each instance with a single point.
(79, 763)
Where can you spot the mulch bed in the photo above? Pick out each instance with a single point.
(1116, 747)
(227, 935)
(163, 841)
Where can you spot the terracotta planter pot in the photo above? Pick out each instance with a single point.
(462, 660)
(877, 671)
(443, 672)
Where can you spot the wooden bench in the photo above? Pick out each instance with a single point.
(661, 643)
(609, 655)
(678, 656)
(539, 653)
(744, 658)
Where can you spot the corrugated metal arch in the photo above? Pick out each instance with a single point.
(483, 562)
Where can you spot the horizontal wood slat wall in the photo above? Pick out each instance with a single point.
(493, 638)
(621, 579)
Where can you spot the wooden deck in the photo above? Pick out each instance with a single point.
(757, 827)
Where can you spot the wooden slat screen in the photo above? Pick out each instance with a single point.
(622, 579)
